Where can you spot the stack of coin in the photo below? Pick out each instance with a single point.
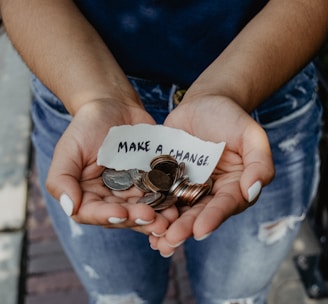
(164, 185)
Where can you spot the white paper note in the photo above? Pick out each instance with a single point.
(127, 147)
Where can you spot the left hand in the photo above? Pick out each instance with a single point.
(245, 166)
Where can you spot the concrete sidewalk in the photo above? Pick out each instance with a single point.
(14, 158)
(49, 277)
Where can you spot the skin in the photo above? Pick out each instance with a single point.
(53, 35)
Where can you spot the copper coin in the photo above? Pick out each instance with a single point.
(169, 201)
(165, 163)
(157, 180)
(152, 199)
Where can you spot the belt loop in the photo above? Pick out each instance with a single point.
(177, 95)
(173, 91)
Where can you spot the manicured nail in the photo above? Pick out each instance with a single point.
(153, 247)
(116, 220)
(176, 245)
(67, 204)
(167, 255)
(139, 221)
(205, 236)
(158, 234)
(254, 191)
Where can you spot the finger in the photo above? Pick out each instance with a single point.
(115, 211)
(217, 209)
(171, 213)
(179, 230)
(162, 246)
(259, 167)
(153, 241)
(63, 177)
(157, 228)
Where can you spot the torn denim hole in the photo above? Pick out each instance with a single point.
(240, 301)
(272, 232)
(301, 89)
(91, 272)
(293, 100)
(290, 144)
(131, 298)
(76, 229)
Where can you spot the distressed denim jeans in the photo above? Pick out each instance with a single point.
(236, 263)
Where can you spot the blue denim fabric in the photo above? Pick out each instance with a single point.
(236, 262)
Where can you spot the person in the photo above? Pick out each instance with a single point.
(245, 66)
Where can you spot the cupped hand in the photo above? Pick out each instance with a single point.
(245, 167)
(74, 177)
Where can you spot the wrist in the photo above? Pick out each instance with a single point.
(222, 90)
(107, 99)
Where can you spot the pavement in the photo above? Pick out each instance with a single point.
(33, 266)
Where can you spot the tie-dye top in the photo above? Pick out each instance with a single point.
(167, 40)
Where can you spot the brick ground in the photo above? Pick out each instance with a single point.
(50, 278)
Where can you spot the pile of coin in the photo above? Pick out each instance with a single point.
(164, 185)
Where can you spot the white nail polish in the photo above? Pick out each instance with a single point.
(139, 221)
(254, 191)
(158, 234)
(116, 220)
(67, 204)
(205, 236)
(167, 255)
(176, 245)
(153, 247)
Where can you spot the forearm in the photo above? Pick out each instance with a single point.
(274, 46)
(64, 51)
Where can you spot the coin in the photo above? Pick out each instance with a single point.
(194, 193)
(157, 180)
(138, 181)
(168, 201)
(165, 163)
(179, 184)
(152, 199)
(117, 180)
(166, 184)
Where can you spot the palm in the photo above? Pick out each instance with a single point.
(246, 159)
(74, 169)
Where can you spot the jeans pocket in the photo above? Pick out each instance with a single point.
(50, 118)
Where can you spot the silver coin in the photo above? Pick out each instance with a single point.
(151, 199)
(117, 180)
(134, 173)
(138, 181)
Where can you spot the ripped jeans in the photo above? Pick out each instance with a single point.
(236, 263)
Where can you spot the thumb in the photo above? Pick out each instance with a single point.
(259, 168)
(63, 177)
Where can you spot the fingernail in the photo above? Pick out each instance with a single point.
(139, 221)
(153, 247)
(116, 220)
(167, 255)
(158, 234)
(205, 236)
(176, 245)
(67, 204)
(254, 191)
